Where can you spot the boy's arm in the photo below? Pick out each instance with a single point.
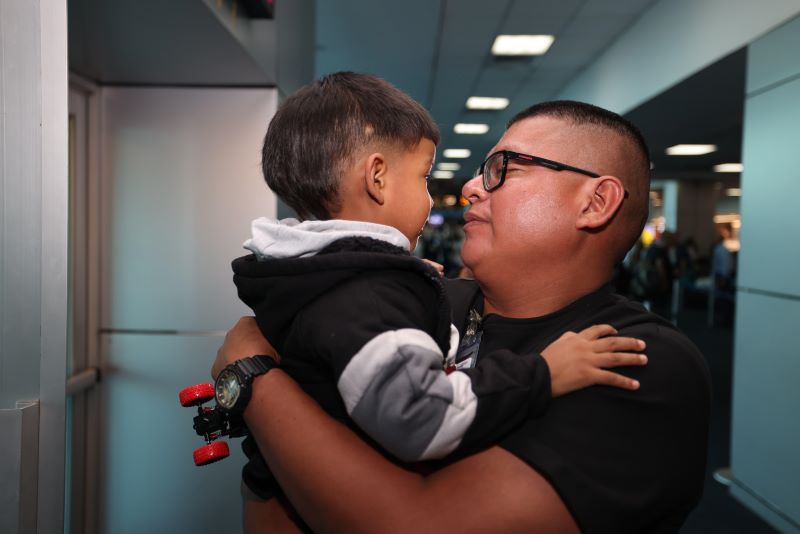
(389, 370)
(375, 332)
(512, 387)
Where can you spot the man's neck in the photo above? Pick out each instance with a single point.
(526, 296)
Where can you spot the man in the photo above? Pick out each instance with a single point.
(561, 198)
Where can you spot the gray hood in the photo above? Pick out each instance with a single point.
(290, 238)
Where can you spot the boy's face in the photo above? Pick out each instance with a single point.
(408, 201)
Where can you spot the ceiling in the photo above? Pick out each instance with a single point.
(436, 50)
(706, 108)
(150, 42)
(439, 52)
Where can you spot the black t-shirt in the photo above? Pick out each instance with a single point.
(622, 461)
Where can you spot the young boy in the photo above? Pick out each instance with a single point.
(363, 326)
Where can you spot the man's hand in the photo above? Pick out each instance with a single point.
(579, 360)
(242, 341)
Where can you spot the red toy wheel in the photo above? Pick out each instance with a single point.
(213, 452)
(194, 395)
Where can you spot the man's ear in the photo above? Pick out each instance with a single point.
(375, 168)
(604, 197)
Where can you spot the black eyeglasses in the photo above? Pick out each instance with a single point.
(495, 166)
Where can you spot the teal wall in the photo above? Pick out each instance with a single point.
(672, 40)
(765, 439)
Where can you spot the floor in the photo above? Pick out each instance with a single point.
(717, 511)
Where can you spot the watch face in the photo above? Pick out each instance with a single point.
(227, 389)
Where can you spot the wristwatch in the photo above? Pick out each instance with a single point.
(233, 386)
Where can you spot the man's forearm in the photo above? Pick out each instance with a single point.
(335, 480)
(340, 484)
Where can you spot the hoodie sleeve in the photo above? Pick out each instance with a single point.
(375, 332)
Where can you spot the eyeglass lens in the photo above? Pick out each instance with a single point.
(493, 171)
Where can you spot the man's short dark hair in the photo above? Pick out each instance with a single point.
(581, 113)
(320, 128)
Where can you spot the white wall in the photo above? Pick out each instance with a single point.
(33, 263)
(765, 440)
(182, 181)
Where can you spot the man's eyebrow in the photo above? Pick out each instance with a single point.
(515, 148)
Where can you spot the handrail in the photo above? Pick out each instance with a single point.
(82, 381)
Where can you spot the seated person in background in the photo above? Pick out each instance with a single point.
(560, 199)
(362, 325)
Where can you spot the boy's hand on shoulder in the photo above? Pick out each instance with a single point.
(438, 266)
(242, 341)
(580, 360)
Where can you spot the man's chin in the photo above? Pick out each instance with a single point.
(469, 258)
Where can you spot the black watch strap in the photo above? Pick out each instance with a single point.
(255, 366)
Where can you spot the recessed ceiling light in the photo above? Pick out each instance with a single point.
(445, 166)
(733, 192)
(457, 153)
(691, 150)
(521, 45)
(728, 167)
(487, 102)
(726, 218)
(443, 174)
(470, 128)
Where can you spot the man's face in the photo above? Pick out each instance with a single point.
(530, 220)
(410, 204)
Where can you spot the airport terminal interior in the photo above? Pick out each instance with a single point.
(131, 138)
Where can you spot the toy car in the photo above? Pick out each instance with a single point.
(210, 423)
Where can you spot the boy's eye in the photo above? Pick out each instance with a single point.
(428, 177)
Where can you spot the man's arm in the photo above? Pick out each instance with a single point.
(338, 483)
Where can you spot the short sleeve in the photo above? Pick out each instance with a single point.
(639, 455)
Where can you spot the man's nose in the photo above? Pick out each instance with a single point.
(473, 190)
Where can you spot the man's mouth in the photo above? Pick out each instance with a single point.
(471, 217)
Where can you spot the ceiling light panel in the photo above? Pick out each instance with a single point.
(522, 45)
(457, 153)
(691, 150)
(446, 166)
(487, 102)
(728, 167)
(443, 175)
(470, 128)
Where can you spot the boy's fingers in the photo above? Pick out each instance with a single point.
(621, 359)
(618, 343)
(608, 378)
(438, 266)
(598, 331)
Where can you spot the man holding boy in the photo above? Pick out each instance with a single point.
(561, 198)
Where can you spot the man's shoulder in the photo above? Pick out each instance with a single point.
(612, 453)
(671, 353)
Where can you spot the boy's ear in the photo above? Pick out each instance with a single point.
(375, 168)
(603, 199)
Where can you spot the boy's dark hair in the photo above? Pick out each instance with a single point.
(321, 127)
(638, 186)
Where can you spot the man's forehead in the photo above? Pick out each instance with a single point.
(528, 135)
